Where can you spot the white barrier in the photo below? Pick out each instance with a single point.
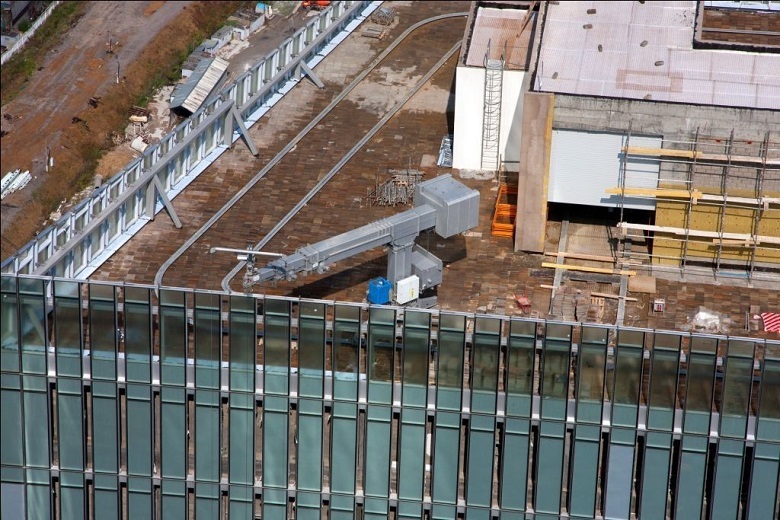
(16, 47)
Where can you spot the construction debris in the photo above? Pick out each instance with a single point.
(445, 152)
(373, 31)
(399, 189)
(15, 181)
(383, 16)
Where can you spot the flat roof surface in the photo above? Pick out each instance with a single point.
(498, 31)
(482, 273)
(645, 51)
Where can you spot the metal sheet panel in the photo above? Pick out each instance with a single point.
(584, 164)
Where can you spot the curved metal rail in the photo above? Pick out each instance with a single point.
(158, 277)
(398, 106)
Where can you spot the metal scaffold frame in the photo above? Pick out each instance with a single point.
(703, 158)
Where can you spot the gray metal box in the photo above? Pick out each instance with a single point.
(457, 206)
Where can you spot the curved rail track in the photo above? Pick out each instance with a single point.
(220, 221)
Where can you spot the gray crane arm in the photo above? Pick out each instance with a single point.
(402, 228)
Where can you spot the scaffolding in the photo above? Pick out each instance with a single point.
(717, 207)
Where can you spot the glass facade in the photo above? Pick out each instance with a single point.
(120, 401)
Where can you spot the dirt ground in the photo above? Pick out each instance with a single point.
(78, 69)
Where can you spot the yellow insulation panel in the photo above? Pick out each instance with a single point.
(706, 217)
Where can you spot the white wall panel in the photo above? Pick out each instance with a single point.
(583, 165)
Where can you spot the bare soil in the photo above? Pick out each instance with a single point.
(53, 109)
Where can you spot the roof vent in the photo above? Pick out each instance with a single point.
(643, 44)
(591, 11)
(659, 63)
(588, 26)
(555, 75)
(601, 49)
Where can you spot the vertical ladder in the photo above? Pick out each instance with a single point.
(491, 115)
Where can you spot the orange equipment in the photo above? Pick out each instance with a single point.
(319, 5)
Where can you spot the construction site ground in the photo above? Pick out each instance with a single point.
(482, 273)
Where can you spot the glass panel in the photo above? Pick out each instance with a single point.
(276, 340)
(699, 385)
(173, 433)
(520, 363)
(555, 381)
(769, 409)
(655, 478)
(138, 334)
(763, 485)
(36, 423)
(346, 344)
(102, 331)
(381, 343)
(415, 357)
(412, 454)
(67, 320)
(309, 441)
(620, 473)
(728, 477)
(628, 375)
(449, 361)
(208, 340)
(514, 465)
(584, 473)
(242, 421)
(9, 326)
(377, 451)
(139, 430)
(173, 337)
(343, 447)
(590, 382)
(275, 442)
(381, 347)
(105, 430)
(70, 414)
(663, 388)
(736, 395)
(550, 450)
(207, 428)
(693, 462)
(11, 413)
(446, 448)
(311, 349)
(33, 321)
(242, 343)
(479, 476)
(486, 352)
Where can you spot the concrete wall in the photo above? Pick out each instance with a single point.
(469, 104)
(667, 119)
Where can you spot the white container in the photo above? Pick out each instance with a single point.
(407, 290)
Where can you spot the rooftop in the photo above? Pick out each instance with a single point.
(501, 32)
(644, 50)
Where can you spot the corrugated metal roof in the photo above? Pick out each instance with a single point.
(501, 29)
(191, 94)
(645, 51)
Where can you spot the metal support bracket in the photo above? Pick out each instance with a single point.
(305, 69)
(243, 131)
(151, 199)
